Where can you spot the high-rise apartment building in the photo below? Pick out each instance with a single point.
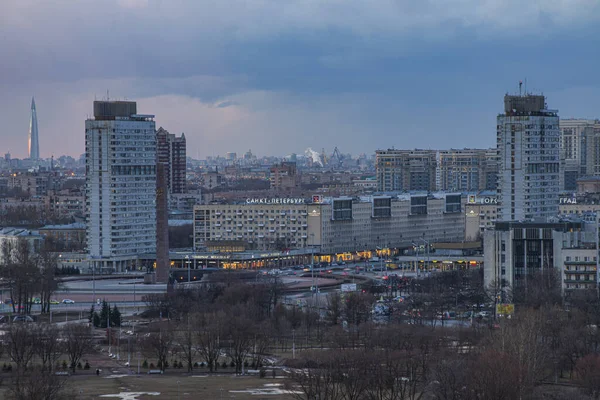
(406, 170)
(462, 170)
(592, 149)
(528, 140)
(573, 145)
(33, 145)
(454, 170)
(120, 149)
(171, 151)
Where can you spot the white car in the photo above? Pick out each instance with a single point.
(68, 301)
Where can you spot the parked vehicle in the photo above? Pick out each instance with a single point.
(54, 301)
(23, 318)
(68, 301)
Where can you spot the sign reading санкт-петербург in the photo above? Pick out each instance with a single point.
(275, 201)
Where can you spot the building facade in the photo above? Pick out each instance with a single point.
(284, 176)
(528, 141)
(120, 149)
(463, 170)
(515, 252)
(481, 213)
(334, 225)
(406, 170)
(574, 134)
(171, 151)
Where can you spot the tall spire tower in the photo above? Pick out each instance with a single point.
(34, 146)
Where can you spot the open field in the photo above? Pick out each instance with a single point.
(175, 386)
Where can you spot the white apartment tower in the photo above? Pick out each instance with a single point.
(120, 148)
(528, 141)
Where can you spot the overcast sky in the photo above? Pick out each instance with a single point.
(278, 76)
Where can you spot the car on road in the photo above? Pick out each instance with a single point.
(23, 318)
(68, 301)
(54, 301)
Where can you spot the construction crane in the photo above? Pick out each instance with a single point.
(337, 156)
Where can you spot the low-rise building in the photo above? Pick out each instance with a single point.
(11, 236)
(481, 213)
(66, 237)
(334, 226)
(514, 252)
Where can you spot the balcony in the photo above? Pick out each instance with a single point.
(250, 230)
(261, 225)
(580, 262)
(250, 219)
(271, 219)
(293, 219)
(217, 225)
(240, 225)
(228, 219)
(218, 213)
(272, 230)
(229, 231)
(567, 272)
(261, 236)
(282, 224)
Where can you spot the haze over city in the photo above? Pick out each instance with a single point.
(279, 77)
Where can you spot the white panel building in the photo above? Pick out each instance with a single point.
(120, 148)
(528, 144)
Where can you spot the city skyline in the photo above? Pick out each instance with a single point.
(357, 76)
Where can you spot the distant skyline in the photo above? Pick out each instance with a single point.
(278, 77)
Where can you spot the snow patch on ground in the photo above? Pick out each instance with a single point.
(269, 389)
(131, 395)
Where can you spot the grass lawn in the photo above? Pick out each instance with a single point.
(197, 386)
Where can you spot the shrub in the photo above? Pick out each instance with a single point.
(246, 364)
(224, 364)
(180, 365)
(195, 365)
(152, 366)
(262, 373)
(9, 368)
(64, 364)
(79, 366)
(232, 364)
(145, 364)
(87, 365)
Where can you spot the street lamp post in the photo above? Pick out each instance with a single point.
(188, 262)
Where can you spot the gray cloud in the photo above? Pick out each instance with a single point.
(286, 75)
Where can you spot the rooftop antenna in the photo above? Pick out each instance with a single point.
(520, 85)
(107, 96)
(525, 86)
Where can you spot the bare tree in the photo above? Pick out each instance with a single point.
(588, 373)
(39, 385)
(210, 330)
(47, 283)
(21, 344)
(77, 343)
(240, 335)
(186, 341)
(20, 273)
(334, 308)
(48, 346)
(158, 345)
